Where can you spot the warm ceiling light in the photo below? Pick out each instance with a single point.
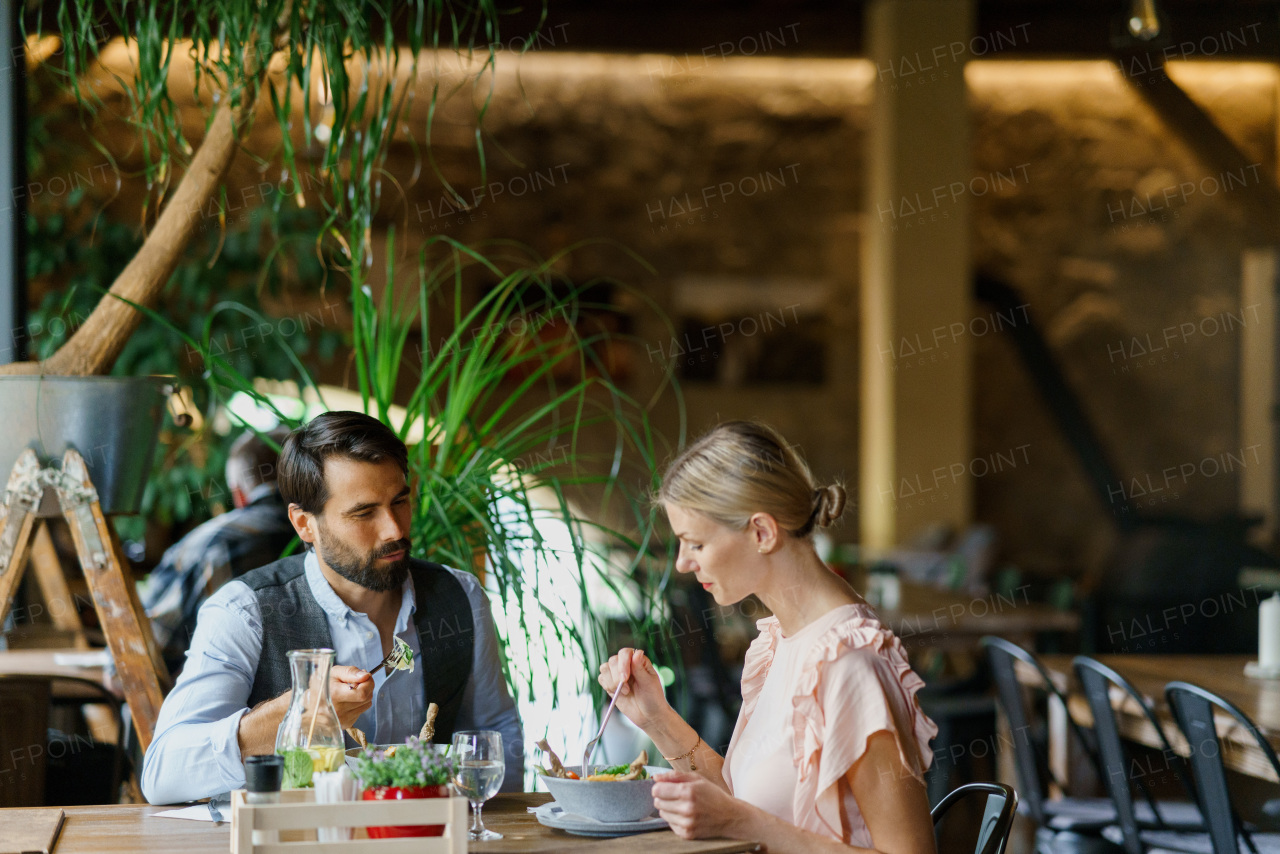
(40, 48)
(1144, 22)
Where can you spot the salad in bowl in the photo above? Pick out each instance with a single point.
(609, 793)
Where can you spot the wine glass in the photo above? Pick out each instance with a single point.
(478, 772)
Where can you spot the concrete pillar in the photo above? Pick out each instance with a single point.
(916, 281)
(1259, 389)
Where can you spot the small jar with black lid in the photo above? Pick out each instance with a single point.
(262, 778)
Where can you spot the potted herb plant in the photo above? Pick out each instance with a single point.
(412, 770)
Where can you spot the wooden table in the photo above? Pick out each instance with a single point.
(112, 829)
(1221, 674)
(40, 662)
(929, 616)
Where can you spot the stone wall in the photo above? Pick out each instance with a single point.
(1067, 162)
(1109, 259)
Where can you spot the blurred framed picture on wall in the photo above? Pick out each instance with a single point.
(736, 332)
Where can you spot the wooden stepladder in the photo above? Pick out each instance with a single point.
(137, 659)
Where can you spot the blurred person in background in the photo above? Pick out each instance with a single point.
(251, 535)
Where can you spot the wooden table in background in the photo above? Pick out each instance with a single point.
(40, 662)
(929, 616)
(134, 829)
(1221, 674)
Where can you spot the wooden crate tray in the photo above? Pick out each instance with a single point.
(298, 816)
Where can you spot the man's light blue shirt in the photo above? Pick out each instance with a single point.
(195, 752)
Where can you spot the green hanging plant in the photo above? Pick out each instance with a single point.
(353, 61)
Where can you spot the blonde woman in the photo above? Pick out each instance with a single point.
(831, 746)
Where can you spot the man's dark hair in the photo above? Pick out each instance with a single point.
(353, 435)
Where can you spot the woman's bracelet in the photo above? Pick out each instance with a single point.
(693, 766)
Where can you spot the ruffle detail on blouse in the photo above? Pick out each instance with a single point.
(756, 664)
(846, 720)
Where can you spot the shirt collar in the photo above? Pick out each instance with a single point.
(333, 605)
(261, 492)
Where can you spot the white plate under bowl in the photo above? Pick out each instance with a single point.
(553, 816)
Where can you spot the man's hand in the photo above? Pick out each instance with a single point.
(695, 807)
(352, 691)
(350, 688)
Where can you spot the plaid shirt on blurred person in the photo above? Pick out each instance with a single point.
(223, 548)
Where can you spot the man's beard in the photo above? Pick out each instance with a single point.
(362, 569)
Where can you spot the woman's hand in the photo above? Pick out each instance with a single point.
(351, 690)
(695, 807)
(643, 699)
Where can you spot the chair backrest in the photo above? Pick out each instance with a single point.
(1118, 766)
(1193, 708)
(1030, 760)
(997, 815)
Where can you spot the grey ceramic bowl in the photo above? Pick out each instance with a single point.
(605, 800)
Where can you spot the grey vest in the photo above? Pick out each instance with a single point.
(293, 619)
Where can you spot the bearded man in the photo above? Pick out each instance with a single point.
(343, 477)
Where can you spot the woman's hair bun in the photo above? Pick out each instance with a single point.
(741, 468)
(830, 505)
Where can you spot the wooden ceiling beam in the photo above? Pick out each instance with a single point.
(1251, 182)
(1080, 29)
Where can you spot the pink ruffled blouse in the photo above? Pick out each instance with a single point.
(810, 702)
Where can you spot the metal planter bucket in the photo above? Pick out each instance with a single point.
(112, 421)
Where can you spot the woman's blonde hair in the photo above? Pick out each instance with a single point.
(744, 467)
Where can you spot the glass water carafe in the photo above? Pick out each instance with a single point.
(311, 725)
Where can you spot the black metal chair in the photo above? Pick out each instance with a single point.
(1193, 708)
(1030, 750)
(997, 814)
(1179, 824)
(965, 714)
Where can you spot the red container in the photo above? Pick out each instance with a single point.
(397, 793)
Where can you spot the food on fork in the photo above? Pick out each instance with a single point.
(400, 658)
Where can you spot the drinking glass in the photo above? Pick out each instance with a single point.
(478, 773)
